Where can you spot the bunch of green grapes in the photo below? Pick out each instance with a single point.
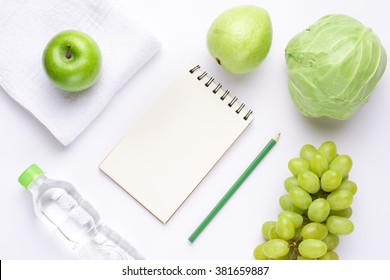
(316, 208)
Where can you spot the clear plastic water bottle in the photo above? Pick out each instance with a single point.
(60, 206)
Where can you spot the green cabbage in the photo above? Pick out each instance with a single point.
(333, 67)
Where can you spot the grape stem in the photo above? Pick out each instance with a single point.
(295, 253)
(321, 194)
(294, 246)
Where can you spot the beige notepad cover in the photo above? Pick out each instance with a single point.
(173, 146)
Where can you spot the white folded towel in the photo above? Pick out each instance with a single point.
(25, 29)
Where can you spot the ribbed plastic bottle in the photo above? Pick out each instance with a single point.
(60, 206)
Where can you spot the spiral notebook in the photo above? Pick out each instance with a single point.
(166, 154)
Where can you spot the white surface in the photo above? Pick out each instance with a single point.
(182, 26)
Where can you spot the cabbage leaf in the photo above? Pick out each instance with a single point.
(334, 66)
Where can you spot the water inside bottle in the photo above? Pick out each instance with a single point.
(79, 224)
(64, 212)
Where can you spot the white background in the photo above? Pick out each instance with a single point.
(181, 26)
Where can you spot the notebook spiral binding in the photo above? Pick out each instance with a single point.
(217, 88)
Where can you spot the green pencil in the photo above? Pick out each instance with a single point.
(233, 188)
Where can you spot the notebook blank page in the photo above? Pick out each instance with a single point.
(174, 145)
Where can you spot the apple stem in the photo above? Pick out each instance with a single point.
(68, 54)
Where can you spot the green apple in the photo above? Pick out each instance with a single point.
(240, 38)
(72, 61)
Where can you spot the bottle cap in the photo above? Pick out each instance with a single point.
(29, 175)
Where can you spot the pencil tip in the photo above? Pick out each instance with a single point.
(276, 138)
